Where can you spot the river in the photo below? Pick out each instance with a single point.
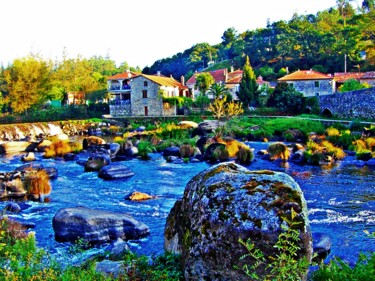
(340, 199)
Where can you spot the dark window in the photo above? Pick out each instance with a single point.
(145, 83)
(316, 83)
(146, 111)
(144, 94)
(317, 94)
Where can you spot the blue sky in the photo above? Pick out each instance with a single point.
(138, 31)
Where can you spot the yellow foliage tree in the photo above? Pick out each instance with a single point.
(221, 108)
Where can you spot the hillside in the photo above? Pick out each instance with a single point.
(324, 42)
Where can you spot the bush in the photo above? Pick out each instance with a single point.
(338, 270)
(144, 148)
(220, 154)
(279, 151)
(244, 156)
(186, 151)
(58, 148)
(37, 183)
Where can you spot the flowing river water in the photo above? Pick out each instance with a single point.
(340, 199)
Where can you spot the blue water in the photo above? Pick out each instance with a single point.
(341, 199)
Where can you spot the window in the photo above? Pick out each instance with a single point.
(144, 94)
(316, 83)
(145, 83)
(291, 85)
(317, 94)
(146, 111)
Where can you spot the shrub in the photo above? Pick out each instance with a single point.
(338, 270)
(10, 232)
(186, 151)
(144, 148)
(331, 131)
(370, 143)
(332, 150)
(220, 154)
(279, 151)
(58, 148)
(286, 263)
(37, 182)
(244, 156)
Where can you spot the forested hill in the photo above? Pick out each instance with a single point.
(320, 41)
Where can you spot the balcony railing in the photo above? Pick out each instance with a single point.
(120, 102)
(119, 88)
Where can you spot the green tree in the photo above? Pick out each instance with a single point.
(352, 85)
(27, 83)
(204, 53)
(248, 92)
(75, 75)
(219, 91)
(203, 82)
(286, 97)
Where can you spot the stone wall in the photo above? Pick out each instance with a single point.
(356, 104)
(153, 103)
(312, 88)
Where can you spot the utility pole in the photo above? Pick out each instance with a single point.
(345, 63)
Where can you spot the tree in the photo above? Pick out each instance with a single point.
(27, 83)
(221, 108)
(248, 92)
(203, 82)
(204, 53)
(286, 97)
(219, 91)
(352, 85)
(75, 75)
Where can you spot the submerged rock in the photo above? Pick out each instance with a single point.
(96, 226)
(226, 203)
(115, 171)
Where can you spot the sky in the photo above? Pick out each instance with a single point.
(138, 32)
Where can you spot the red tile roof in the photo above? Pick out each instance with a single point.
(341, 77)
(305, 75)
(124, 75)
(218, 75)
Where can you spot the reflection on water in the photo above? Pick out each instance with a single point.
(340, 199)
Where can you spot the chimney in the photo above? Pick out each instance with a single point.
(182, 80)
(231, 68)
(158, 73)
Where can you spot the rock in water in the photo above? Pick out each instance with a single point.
(96, 226)
(228, 202)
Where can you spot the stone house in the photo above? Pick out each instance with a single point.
(310, 82)
(136, 94)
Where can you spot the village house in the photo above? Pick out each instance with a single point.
(310, 82)
(231, 79)
(136, 94)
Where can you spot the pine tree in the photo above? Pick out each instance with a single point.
(248, 92)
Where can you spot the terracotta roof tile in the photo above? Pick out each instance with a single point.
(164, 81)
(218, 75)
(305, 75)
(124, 75)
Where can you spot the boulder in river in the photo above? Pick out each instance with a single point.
(96, 226)
(228, 202)
(115, 171)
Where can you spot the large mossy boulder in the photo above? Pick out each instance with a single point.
(228, 202)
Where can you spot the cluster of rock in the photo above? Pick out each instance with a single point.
(13, 184)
